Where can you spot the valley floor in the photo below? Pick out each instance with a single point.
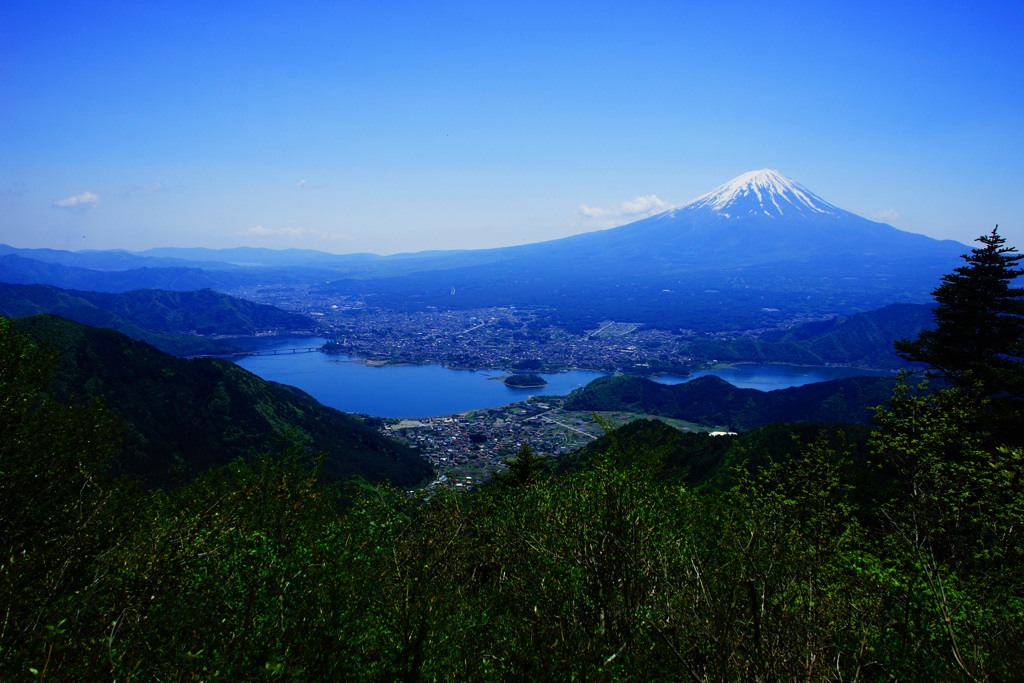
(468, 448)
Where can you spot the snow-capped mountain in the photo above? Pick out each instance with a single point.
(764, 192)
(759, 244)
(759, 217)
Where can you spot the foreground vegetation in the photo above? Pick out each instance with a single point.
(817, 562)
(615, 571)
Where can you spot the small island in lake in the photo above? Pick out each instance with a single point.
(525, 381)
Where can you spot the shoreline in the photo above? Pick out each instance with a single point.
(555, 371)
(374, 363)
(734, 364)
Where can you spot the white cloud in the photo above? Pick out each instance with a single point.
(626, 212)
(301, 183)
(153, 187)
(885, 216)
(79, 202)
(301, 233)
(255, 230)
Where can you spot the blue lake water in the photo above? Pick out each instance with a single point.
(771, 376)
(402, 391)
(428, 390)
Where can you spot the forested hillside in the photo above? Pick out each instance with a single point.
(155, 316)
(21, 300)
(702, 459)
(186, 416)
(861, 340)
(711, 400)
(202, 311)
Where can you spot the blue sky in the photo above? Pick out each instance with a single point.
(389, 127)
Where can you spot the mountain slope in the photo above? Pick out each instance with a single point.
(113, 259)
(759, 217)
(861, 340)
(753, 249)
(17, 269)
(204, 312)
(167, 320)
(711, 400)
(193, 414)
(704, 459)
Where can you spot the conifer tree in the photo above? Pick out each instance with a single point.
(525, 469)
(978, 340)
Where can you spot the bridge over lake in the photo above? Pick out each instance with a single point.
(281, 352)
(261, 352)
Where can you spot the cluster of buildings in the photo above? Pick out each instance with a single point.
(468, 448)
(494, 338)
(502, 338)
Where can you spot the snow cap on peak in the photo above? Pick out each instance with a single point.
(765, 192)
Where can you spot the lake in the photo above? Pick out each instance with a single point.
(428, 390)
(397, 391)
(771, 376)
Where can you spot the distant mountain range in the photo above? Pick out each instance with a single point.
(168, 320)
(191, 415)
(757, 248)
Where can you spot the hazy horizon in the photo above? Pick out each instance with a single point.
(352, 129)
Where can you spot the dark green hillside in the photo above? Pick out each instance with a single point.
(696, 456)
(155, 316)
(21, 300)
(699, 458)
(713, 401)
(198, 413)
(204, 311)
(167, 312)
(861, 340)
